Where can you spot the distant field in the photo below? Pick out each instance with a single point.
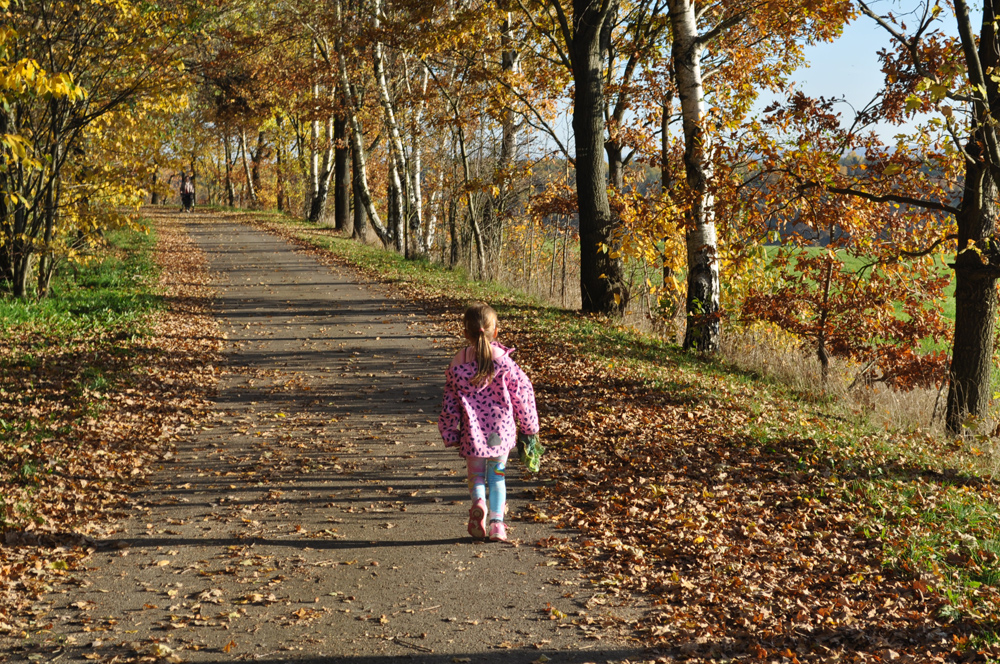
(855, 263)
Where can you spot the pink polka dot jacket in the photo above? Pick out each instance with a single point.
(484, 420)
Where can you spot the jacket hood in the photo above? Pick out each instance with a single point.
(465, 371)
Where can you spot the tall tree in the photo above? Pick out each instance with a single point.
(47, 115)
(702, 330)
(977, 263)
(342, 181)
(586, 34)
(750, 38)
(943, 176)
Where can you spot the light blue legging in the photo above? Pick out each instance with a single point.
(483, 471)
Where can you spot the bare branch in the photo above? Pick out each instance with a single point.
(564, 27)
(722, 26)
(883, 198)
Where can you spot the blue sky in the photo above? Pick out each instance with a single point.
(848, 67)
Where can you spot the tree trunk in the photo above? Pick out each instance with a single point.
(22, 270)
(313, 182)
(279, 171)
(417, 234)
(7, 176)
(45, 261)
(154, 199)
(498, 208)
(321, 194)
(394, 202)
(304, 162)
(822, 354)
(399, 177)
(616, 176)
(455, 244)
(230, 187)
(251, 192)
(356, 133)
(972, 357)
(602, 283)
(971, 371)
(976, 273)
(342, 186)
(256, 157)
(436, 209)
(702, 244)
(360, 231)
(667, 182)
(194, 181)
(21, 252)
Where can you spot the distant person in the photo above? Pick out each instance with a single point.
(183, 191)
(487, 399)
(187, 193)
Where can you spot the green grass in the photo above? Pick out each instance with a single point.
(946, 530)
(949, 536)
(111, 292)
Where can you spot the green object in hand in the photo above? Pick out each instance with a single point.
(530, 451)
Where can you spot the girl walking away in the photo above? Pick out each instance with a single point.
(487, 400)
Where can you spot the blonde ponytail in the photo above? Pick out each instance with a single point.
(480, 328)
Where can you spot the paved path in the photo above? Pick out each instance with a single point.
(317, 517)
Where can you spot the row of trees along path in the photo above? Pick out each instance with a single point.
(468, 96)
(317, 517)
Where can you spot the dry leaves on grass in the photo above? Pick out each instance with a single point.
(106, 440)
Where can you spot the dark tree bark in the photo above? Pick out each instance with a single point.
(259, 154)
(230, 189)
(279, 165)
(360, 218)
(616, 175)
(975, 300)
(155, 197)
(602, 283)
(976, 271)
(342, 185)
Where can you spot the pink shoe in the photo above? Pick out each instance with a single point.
(477, 519)
(498, 531)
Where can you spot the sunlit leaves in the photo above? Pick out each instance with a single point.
(71, 130)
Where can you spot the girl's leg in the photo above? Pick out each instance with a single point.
(477, 491)
(495, 471)
(477, 478)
